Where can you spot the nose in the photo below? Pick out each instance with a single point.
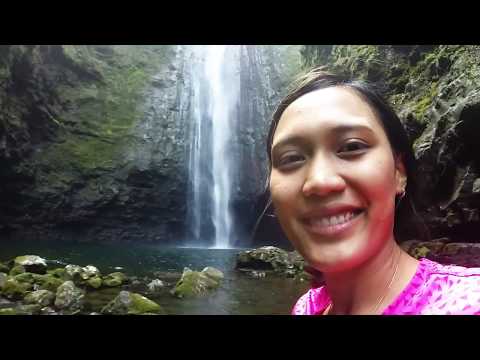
(323, 177)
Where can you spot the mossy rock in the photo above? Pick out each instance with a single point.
(268, 258)
(48, 282)
(420, 252)
(59, 273)
(96, 300)
(72, 272)
(94, 282)
(127, 303)
(89, 272)
(4, 268)
(32, 263)
(3, 278)
(29, 309)
(16, 290)
(9, 311)
(69, 297)
(40, 297)
(17, 269)
(25, 277)
(114, 279)
(213, 273)
(194, 283)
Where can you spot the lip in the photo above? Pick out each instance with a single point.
(330, 210)
(337, 230)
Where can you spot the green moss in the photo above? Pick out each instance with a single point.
(127, 303)
(425, 102)
(114, 279)
(94, 282)
(48, 282)
(17, 269)
(8, 311)
(194, 283)
(420, 252)
(142, 305)
(14, 289)
(25, 277)
(4, 268)
(103, 111)
(41, 297)
(58, 273)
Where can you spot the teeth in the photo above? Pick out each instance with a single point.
(334, 220)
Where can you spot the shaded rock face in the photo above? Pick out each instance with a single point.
(435, 90)
(81, 159)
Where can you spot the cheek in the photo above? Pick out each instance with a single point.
(284, 191)
(378, 180)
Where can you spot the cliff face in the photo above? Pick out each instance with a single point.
(79, 159)
(436, 91)
(94, 140)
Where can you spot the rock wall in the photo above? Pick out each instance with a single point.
(80, 160)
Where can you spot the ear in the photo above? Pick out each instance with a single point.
(400, 174)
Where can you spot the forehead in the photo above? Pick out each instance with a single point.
(328, 108)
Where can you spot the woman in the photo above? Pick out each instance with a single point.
(341, 176)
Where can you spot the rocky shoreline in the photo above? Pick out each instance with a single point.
(32, 285)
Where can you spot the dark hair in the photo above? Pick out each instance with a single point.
(317, 79)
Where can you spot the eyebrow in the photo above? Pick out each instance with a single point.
(337, 130)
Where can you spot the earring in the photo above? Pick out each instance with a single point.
(400, 197)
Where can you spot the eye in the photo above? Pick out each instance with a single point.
(353, 148)
(290, 160)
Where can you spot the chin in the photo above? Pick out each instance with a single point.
(333, 257)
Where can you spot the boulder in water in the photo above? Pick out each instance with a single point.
(69, 297)
(73, 273)
(95, 282)
(4, 268)
(8, 311)
(194, 283)
(3, 278)
(59, 273)
(155, 285)
(88, 272)
(270, 258)
(213, 273)
(32, 263)
(48, 282)
(40, 297)
(127, 303)
(17, 269)
(114, 279)
(14, 289)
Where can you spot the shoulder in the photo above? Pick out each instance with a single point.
(313, 302)
(452, 289)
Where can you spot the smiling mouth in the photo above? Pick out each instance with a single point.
(333, 225)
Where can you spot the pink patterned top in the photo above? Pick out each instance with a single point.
(435, 289)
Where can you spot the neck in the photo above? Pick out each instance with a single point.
(374, 283)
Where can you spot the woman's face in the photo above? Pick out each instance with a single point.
(334, 178)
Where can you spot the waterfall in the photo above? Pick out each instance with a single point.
(214, 94)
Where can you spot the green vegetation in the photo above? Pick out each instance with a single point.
(103, 108)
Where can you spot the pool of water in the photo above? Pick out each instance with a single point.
(238, 294)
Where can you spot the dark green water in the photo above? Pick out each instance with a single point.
(239, 294)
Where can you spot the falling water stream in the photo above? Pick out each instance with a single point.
(214, 71)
